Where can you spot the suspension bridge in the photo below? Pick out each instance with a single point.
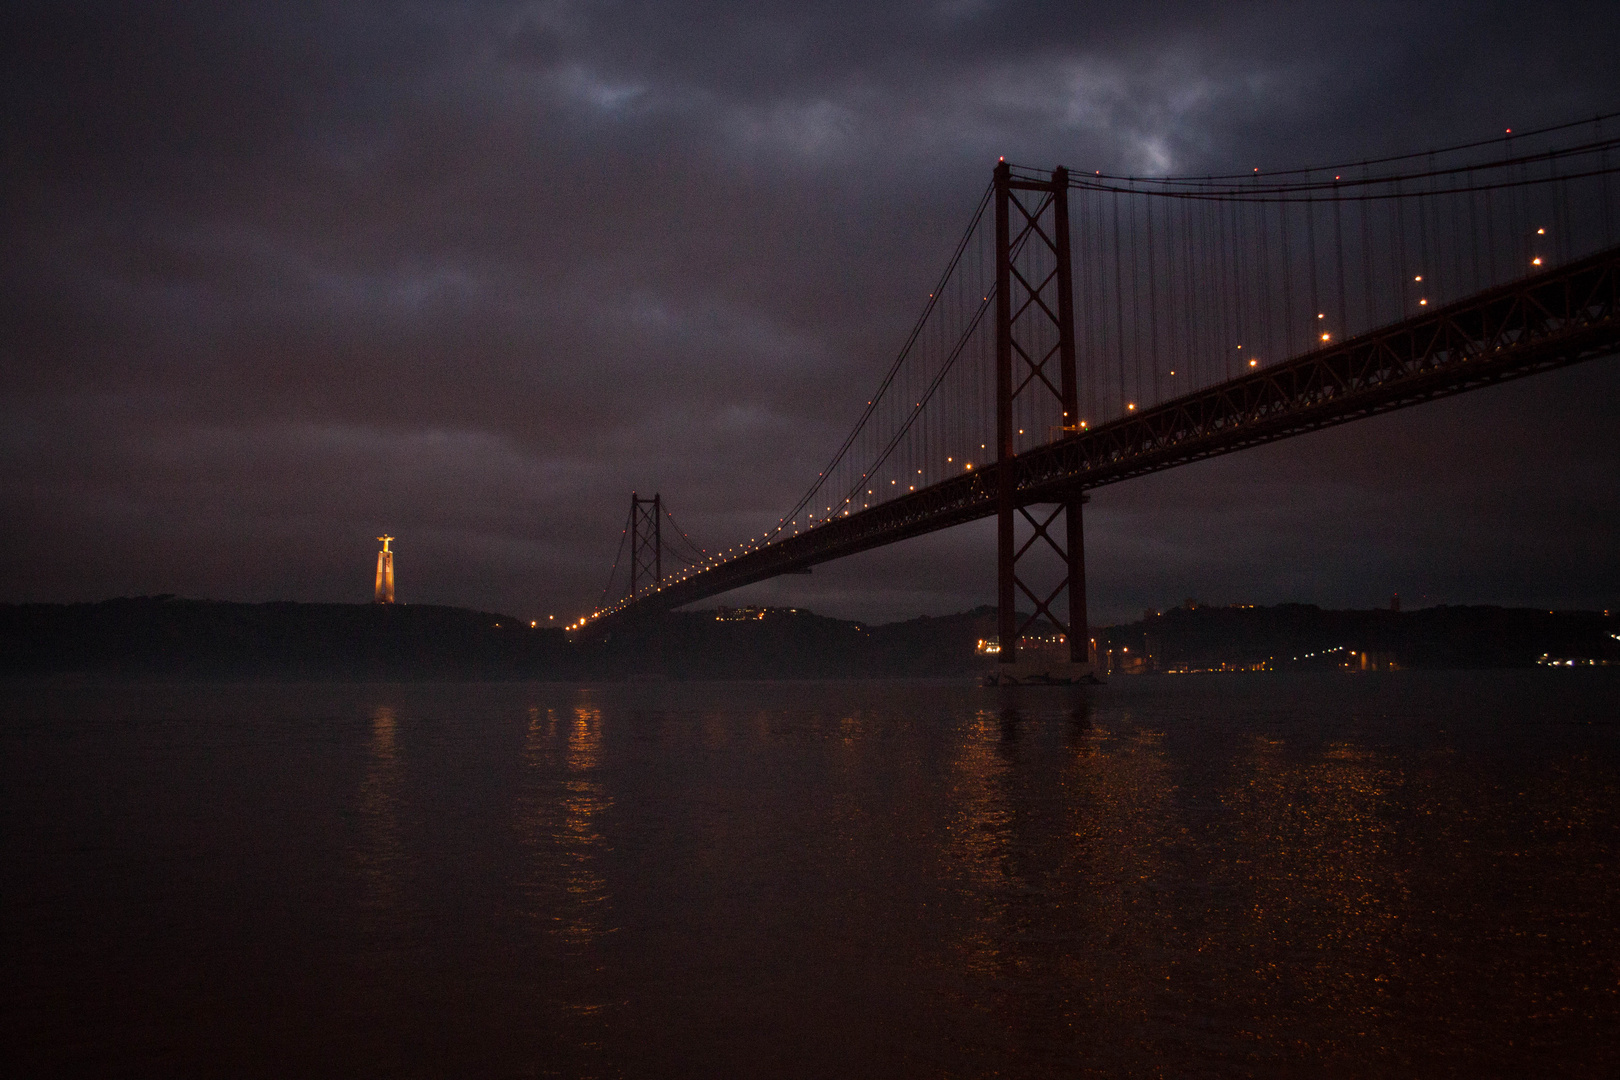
(1091, 328)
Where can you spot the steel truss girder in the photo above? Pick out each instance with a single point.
(1550, 320)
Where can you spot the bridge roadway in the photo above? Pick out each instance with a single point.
(1549, 320)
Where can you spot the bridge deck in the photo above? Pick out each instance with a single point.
(1550, 320)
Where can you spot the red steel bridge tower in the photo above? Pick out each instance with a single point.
(646, 542)
(1034, 331)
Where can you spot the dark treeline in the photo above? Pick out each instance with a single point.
(168, 638)
(165, 637)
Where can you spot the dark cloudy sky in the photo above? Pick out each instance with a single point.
(280, 277)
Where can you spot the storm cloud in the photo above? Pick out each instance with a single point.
(281, 277)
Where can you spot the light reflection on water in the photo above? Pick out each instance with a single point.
(581, 842)
(1413, 874)
(560, 805)
(380, 851)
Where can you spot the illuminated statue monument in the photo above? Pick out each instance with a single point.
(385, 572)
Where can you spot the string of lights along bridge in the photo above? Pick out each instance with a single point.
(1090, 327)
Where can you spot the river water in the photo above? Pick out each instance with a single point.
(1400, 873)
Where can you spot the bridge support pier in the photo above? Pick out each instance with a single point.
(1079, 619)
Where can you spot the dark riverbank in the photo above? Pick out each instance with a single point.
(1304, 636)
(165, 637)
(169, 638)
